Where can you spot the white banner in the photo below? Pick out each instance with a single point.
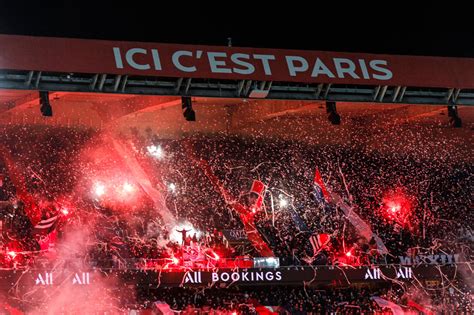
(362, 228)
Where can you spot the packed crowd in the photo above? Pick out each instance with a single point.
(435, 197)
(302, 301)
(436, 194)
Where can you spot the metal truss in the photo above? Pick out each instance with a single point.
(124, 84)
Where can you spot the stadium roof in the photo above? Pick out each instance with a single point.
(74, 65)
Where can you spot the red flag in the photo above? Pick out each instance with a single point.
(262, 310)
(258, 188)
(318, 180)
(419, 308)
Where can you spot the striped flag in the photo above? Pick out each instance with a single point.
(45, 226)
(318, 241)
(320, 192)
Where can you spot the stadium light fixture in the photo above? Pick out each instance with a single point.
(187, 106)
(45, 106)
(454, 119)
(333, 116)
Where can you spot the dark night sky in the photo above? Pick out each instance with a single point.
(268, 24)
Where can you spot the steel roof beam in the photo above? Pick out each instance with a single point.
(32, 80)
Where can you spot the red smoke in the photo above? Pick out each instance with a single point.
(397, 207)
(107, 179)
